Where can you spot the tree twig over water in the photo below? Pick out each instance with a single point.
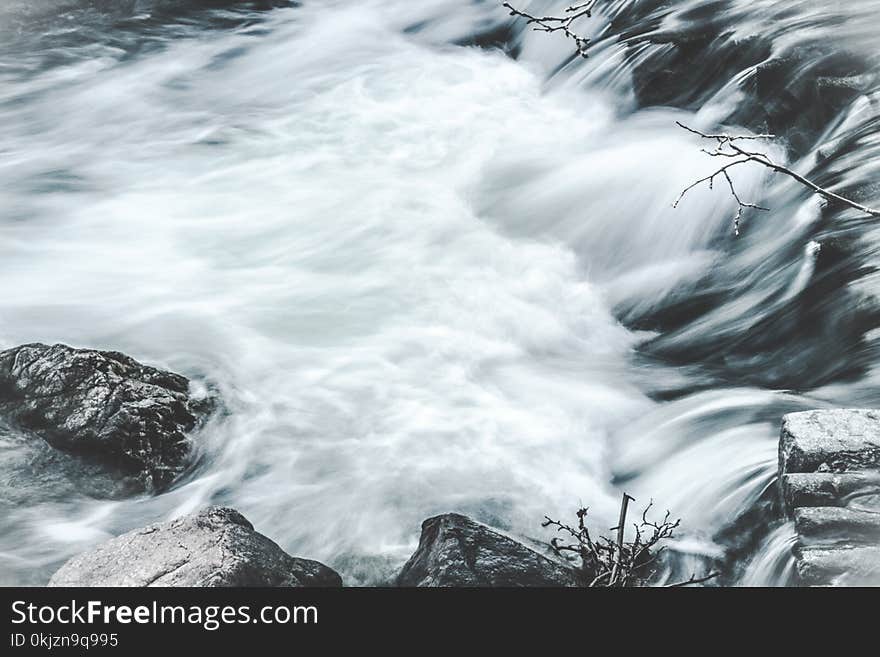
(732, 148)
(727, 146)
(560, 23)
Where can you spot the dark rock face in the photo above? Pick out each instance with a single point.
(681, 57)
(455, 551)
(102, 404)
(799, 93)
(663, 70)
(215, 547)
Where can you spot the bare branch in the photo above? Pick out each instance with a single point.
(621, 526)
(725, 137)
(730, 147)
(560, 23)
(693, 580)
(727, 146)
(607, 562)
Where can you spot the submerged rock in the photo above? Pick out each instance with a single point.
(102, 404)
(214, 547)
(800, 91)
(455, 551)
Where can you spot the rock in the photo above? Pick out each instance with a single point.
(800, 91)
(841, 439)
(214, 547)
(830, 524)
(829, 484)
(664, 72)
(455, 551)
(855, 566)
(827, 488)
(102, 404)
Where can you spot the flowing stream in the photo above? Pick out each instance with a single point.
(429, 262)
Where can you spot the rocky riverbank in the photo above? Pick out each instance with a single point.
(136, 420)
(217, 546)
(214, 547)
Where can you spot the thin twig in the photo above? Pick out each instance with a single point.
(608, 562)
(729, 146)
(560, 23)
(693, 580)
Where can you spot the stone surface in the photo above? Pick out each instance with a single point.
(829, 485)
(455, 551)
(830, 525)
(838, 440)
(853, 566)
(215, 547)
(828, 488)
(102, 404)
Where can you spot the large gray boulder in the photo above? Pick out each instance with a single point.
(837, 440)
(455, 551)
(212, 548)
(102, 404)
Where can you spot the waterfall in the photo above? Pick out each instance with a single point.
(429, 261)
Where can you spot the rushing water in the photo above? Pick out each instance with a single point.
(424, 275)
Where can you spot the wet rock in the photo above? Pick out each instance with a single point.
(682, 56)
(212, 548)
(35, 473)
(827, 488)
(853, 566)
(663, 70)
(102, 405)
(455, 551)
(838, 440)
(834, 524)
(829, 484)
(798, 93)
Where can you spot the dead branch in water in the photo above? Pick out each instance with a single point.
(560, 23)
(616, 563)
(731, 147)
